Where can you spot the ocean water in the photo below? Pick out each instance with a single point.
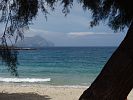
(59, 65)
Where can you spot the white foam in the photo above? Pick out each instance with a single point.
(29, 80)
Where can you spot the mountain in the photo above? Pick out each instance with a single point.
(34, 42)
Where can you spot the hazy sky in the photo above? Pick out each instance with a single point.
(73, 30)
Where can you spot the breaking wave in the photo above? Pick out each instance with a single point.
(25, 80)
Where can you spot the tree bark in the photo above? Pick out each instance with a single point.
(116, 78)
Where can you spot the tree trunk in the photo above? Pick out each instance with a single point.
(116, 78)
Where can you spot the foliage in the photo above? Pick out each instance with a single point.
(9, 57)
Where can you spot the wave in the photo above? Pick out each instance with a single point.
(26, 80)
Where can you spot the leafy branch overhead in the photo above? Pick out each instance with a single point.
(9, 57)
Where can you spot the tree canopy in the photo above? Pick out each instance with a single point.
(118, 13)
(18, 14)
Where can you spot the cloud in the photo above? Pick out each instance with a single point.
(87, 33)
(42, 32)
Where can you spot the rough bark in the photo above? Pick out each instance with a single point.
(116, 78)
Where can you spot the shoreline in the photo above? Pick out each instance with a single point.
(37, 90)
(42, 92)
(36, 85)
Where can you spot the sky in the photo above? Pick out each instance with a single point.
(73, 30)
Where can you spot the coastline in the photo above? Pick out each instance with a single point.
(39, 92)
(42, 92)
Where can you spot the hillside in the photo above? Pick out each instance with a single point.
(34, 42)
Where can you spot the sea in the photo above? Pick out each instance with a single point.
(58, 66)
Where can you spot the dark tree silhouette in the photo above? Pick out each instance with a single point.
(116, 78)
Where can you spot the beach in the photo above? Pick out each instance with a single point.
(42, 92)
(39, 92)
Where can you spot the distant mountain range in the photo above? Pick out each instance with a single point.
(34, 42)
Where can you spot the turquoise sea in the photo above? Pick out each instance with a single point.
(59, 65)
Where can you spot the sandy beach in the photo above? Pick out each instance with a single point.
(39, 92)
(42, 92)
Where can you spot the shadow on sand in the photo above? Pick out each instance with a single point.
(23, 96)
